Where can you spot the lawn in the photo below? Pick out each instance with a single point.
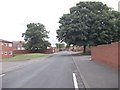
(25, 56)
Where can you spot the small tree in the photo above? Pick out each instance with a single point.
(36, 36)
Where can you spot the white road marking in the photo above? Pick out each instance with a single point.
(2, 75)
(83, 78)
(75, 81)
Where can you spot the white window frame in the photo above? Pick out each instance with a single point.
(2, 43)
(10, 44)
(2, 52)
(10, 53)
(5, 44)
(5, 53)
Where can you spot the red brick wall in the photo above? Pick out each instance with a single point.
(21, 51)
(119, 55)
(107, 54)
(0, 50)
(46, 51)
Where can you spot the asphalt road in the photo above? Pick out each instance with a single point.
(53, 72)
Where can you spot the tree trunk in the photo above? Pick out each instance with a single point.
(84, 49)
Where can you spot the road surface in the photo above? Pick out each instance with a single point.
(53, 72)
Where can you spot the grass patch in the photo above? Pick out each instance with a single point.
(25, 56)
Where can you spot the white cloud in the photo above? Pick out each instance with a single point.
(16, 14)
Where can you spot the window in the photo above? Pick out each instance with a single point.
(18, 48)
(1, 43)
(10, 53)
(10, 44)
(1, 52)
(5, 44)
(23, 48)
(5, 53)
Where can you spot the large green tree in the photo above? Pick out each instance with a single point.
(35, 37)
(89, 23)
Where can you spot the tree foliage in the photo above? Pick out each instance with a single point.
(60, 45)
(35, 37)
(89, 23)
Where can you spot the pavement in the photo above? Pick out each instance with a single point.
(95, 74)
(56, 71)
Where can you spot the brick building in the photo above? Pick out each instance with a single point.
(6, 49)
(18, 45)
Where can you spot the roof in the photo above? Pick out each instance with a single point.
(18, 42)
(1, 40)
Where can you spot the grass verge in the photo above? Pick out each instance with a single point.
(24, 56)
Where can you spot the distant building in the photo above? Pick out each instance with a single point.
(55, 49)
(6, 49)
(119, 6)
(18, 45)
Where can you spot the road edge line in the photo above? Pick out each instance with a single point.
(82, 77)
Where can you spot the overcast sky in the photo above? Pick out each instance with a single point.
(16, 14)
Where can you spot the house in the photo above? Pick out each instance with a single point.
(18, 45)
(6, 49)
